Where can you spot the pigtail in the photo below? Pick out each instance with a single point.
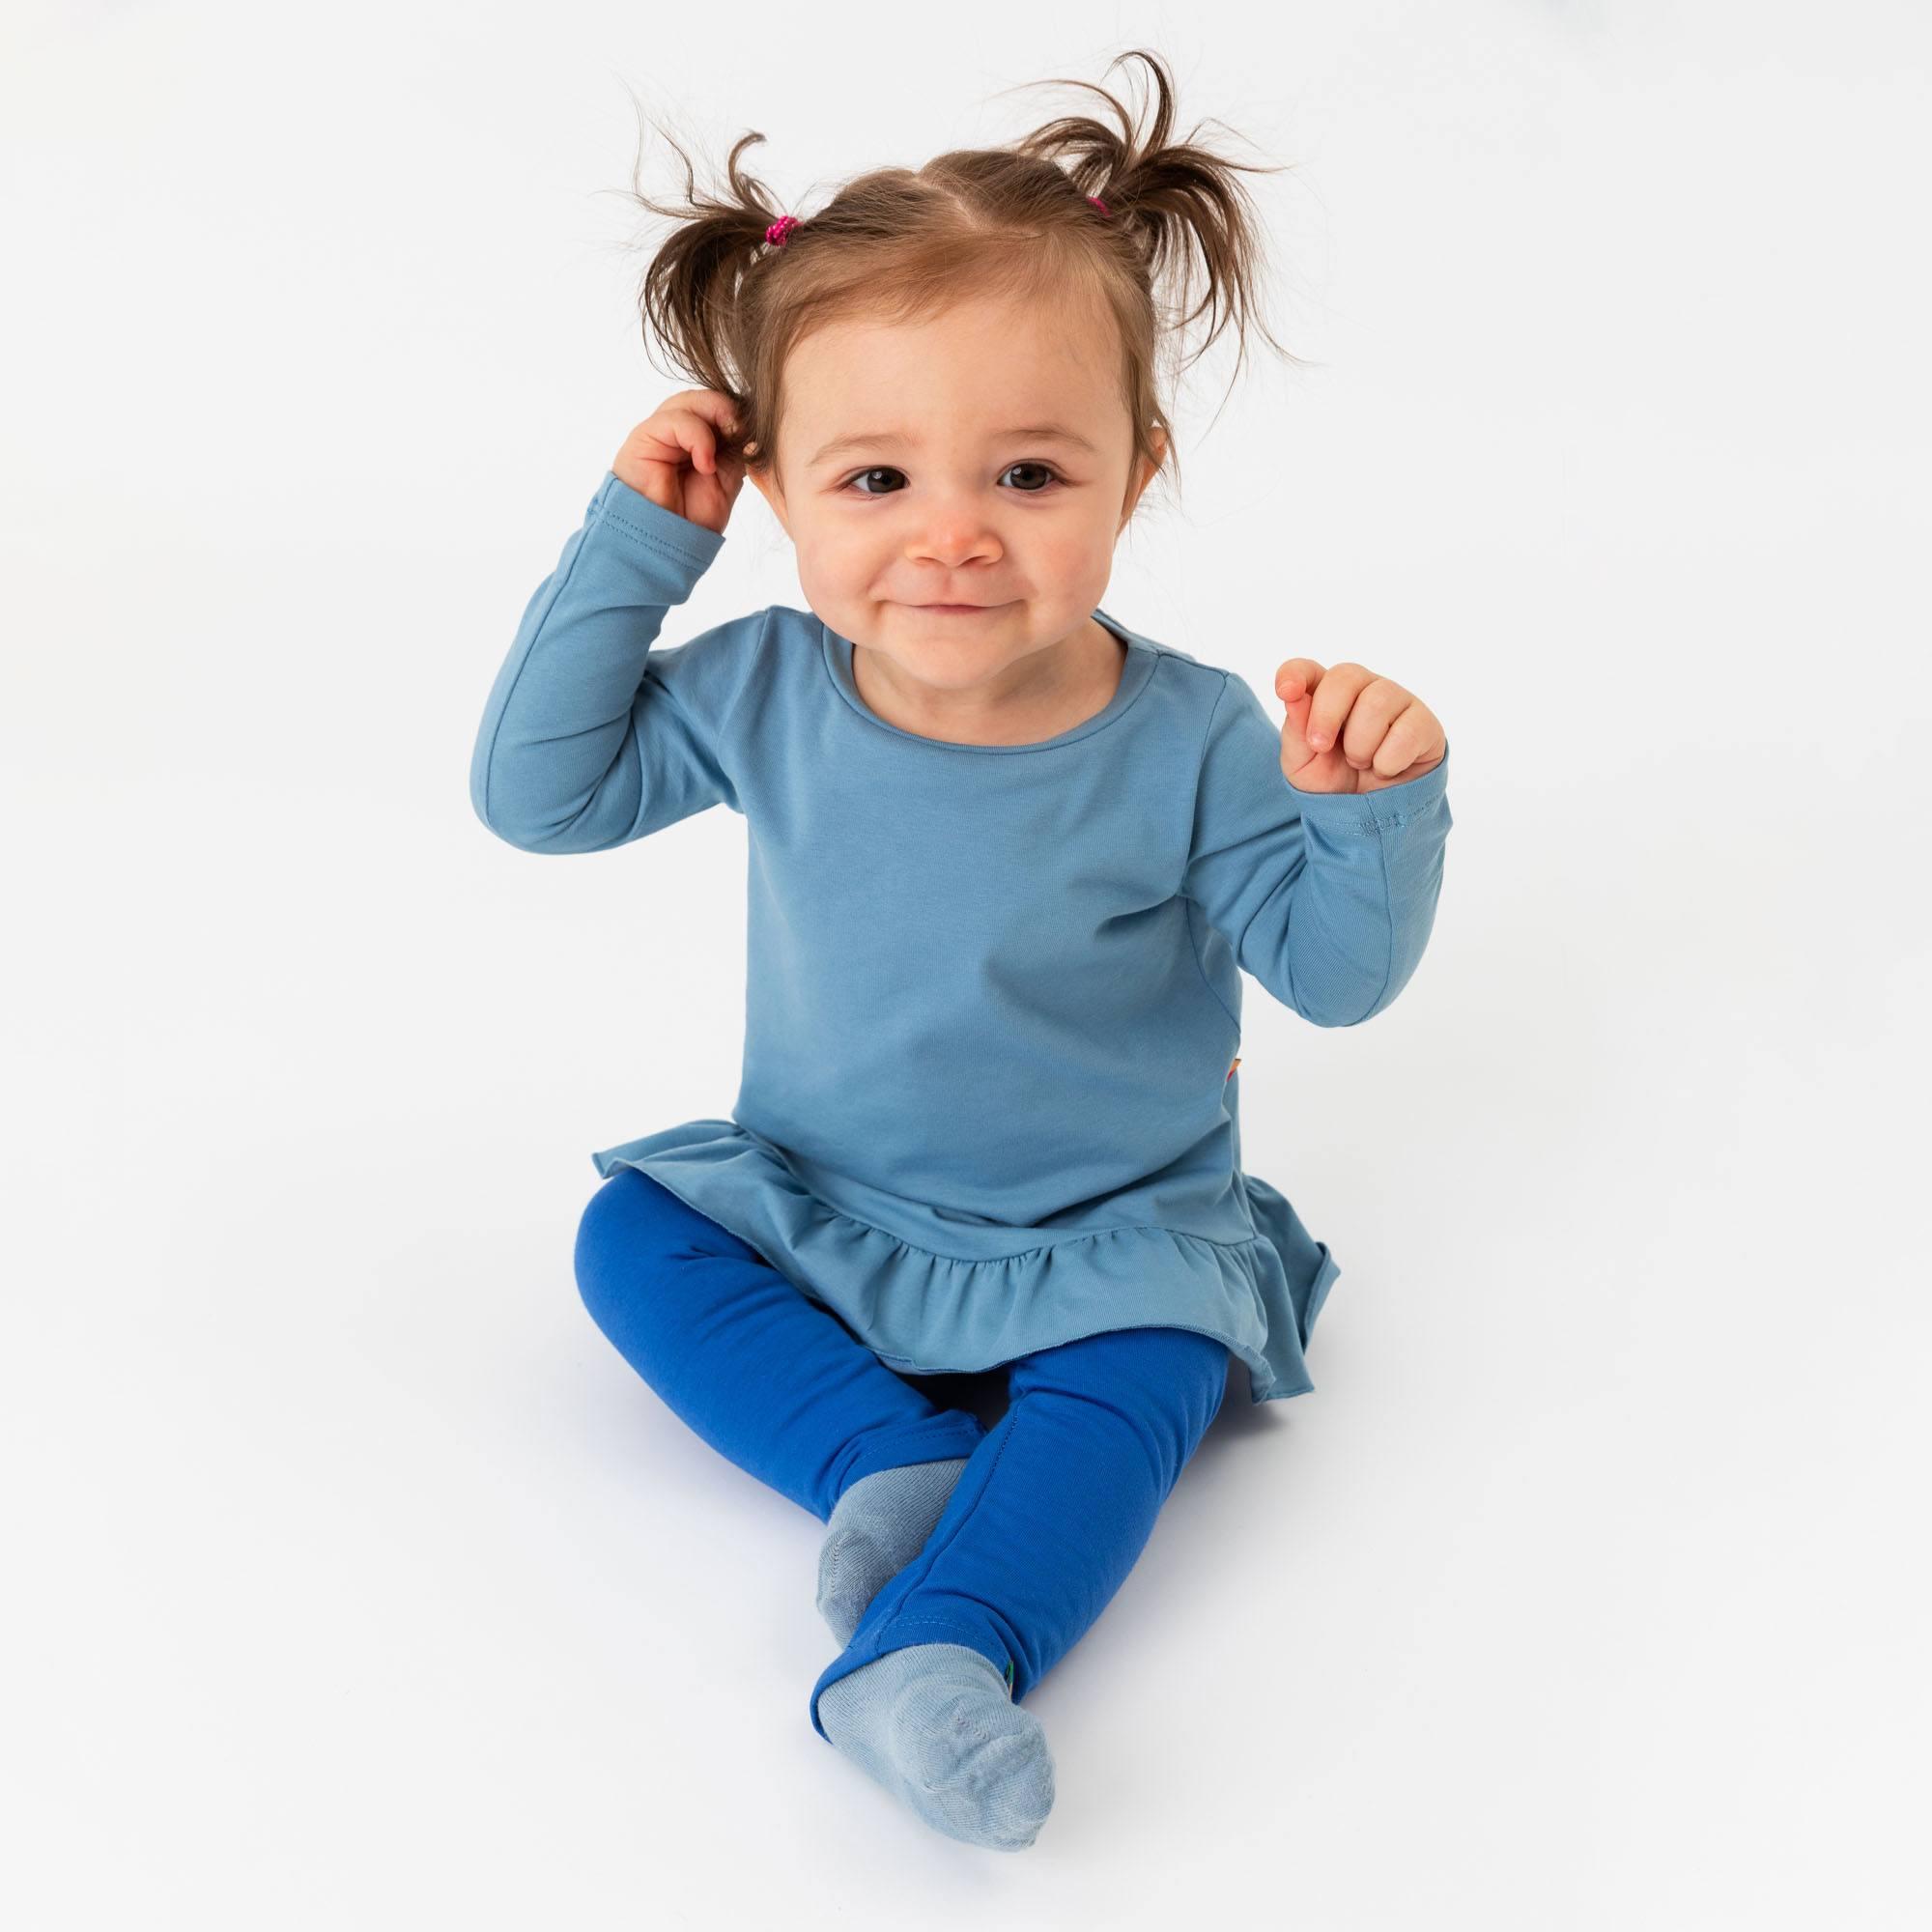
(1175, 203)
(690, 295)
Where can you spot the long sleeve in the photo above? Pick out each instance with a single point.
(1326, 897)
(590, 738)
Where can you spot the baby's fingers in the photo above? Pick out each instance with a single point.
(698, 439)
(1297, 678)
(693, 426)
(1295, 685)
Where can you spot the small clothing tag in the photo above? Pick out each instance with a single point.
(1230, 1074)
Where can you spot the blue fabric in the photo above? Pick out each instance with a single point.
(993, 995)
(1057, 1500)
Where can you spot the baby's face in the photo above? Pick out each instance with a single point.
(920, 471)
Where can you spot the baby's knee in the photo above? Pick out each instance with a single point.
(616, 1222)
(632, 1226)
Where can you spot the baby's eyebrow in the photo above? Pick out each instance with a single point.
(874, 439)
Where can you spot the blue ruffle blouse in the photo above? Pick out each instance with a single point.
(988, 1100)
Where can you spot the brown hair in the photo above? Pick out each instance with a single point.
(1014, 221)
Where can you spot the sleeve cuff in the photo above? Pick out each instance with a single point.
(1386, 807)
(664, 532)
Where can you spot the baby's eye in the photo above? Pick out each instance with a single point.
(1046, 469)
(1049, 475)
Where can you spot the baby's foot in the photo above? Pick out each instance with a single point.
(875, 1529)
(936, 1725)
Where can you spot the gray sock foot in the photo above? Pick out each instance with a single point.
(875, 1529)
(933, 1725)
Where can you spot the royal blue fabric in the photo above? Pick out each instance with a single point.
(1056, 1502)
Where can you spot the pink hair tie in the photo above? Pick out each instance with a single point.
(780, 229)
(1099, 204)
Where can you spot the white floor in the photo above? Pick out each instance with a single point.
(356, 1581)
(363, 1582)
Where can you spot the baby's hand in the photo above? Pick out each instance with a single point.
(1348, 729)
(685, 458)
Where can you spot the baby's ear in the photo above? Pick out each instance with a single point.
(769, 490)
(1148, 470)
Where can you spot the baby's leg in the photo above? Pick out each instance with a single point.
(1055, 1507)
(766, 1375)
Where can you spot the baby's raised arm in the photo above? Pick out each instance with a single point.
(589, 738)
(1327, 899)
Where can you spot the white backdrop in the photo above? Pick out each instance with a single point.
(358, 1581)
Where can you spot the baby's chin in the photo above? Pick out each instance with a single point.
(946, 649)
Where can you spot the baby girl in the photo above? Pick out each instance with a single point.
(1008, 859)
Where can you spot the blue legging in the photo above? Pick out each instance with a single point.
(1055, 1504)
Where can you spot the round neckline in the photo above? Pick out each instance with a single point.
(836, 652)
